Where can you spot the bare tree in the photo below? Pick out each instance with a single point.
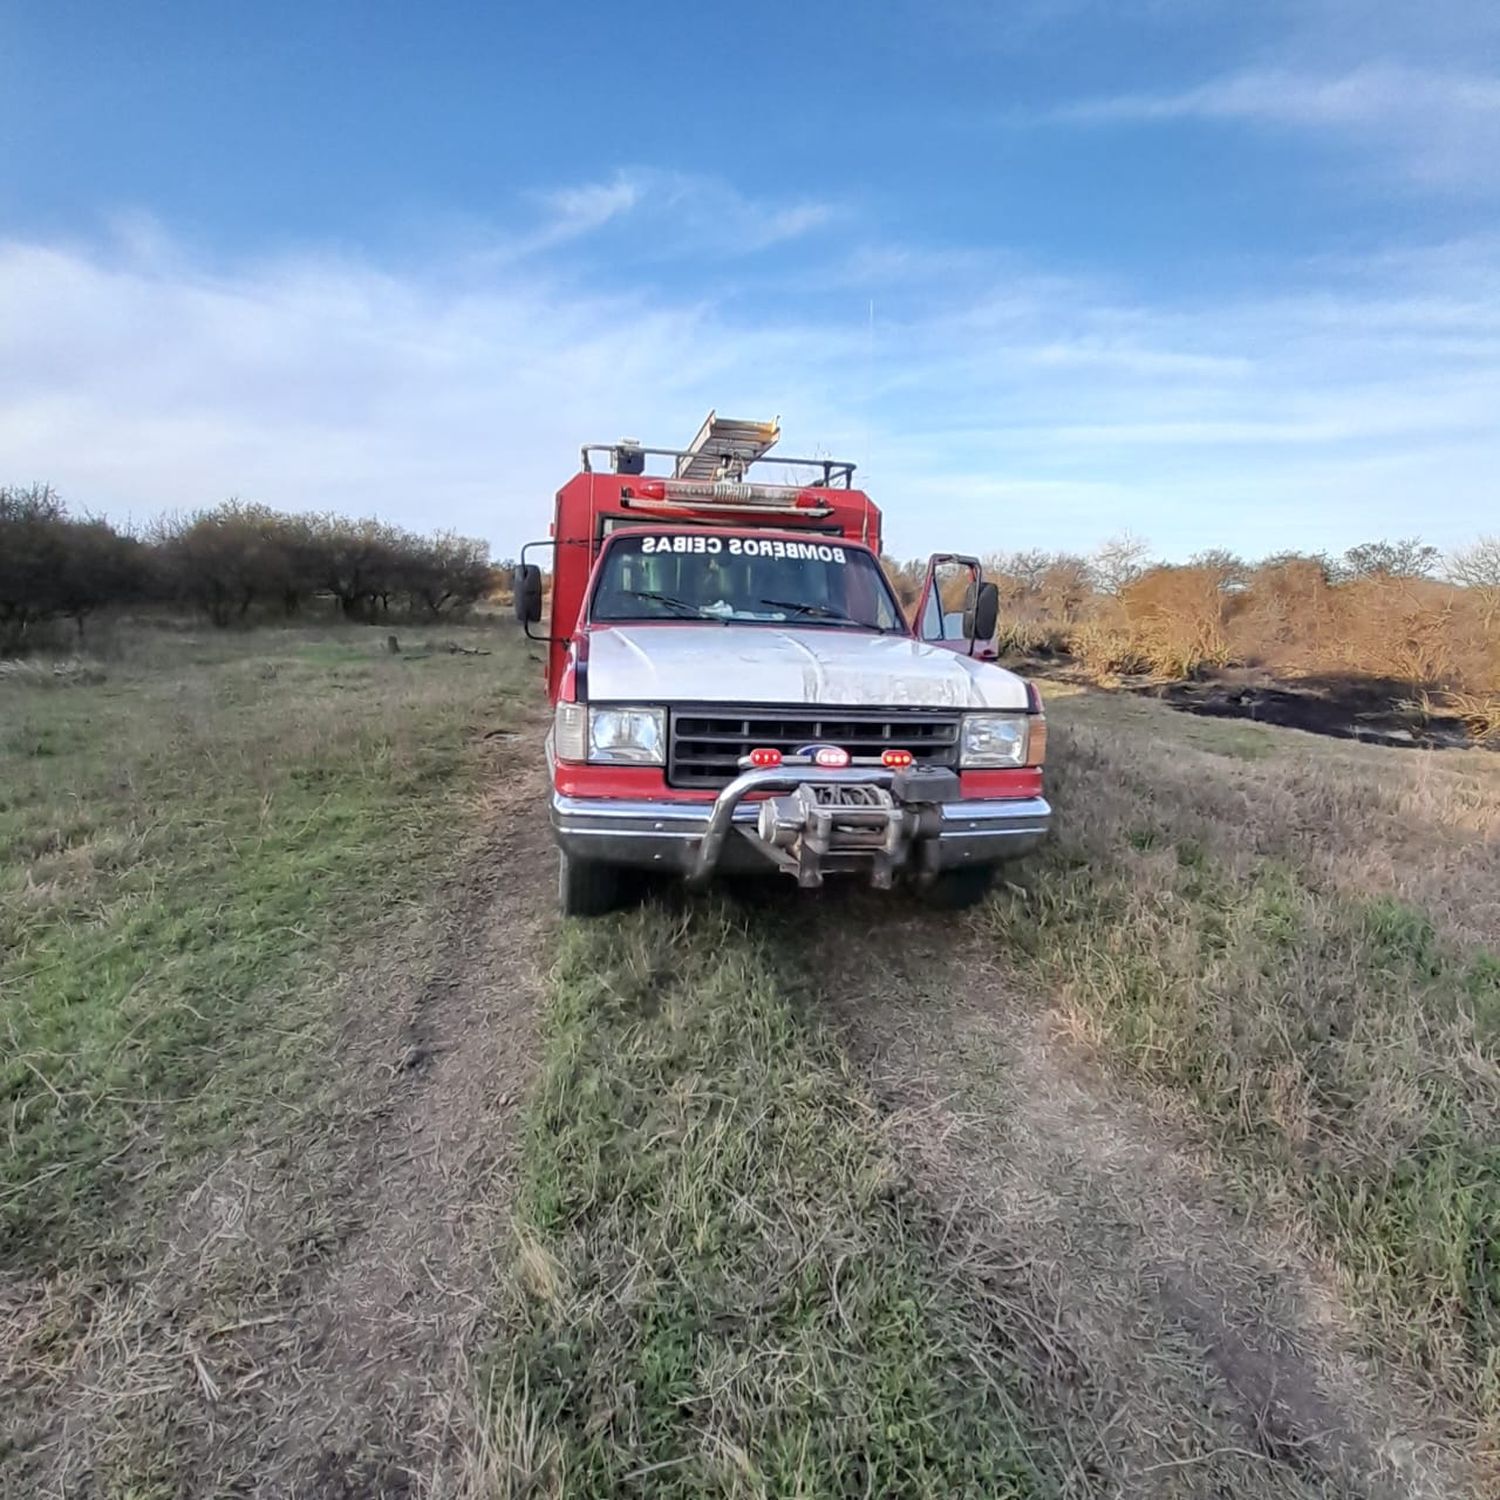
(1018, 575)
(1119, 562)
(99, 566)
(223, 559)
(1065, 587)
(448, 572)
(1407, 557)
(32, 522)
(1477, 568)
(357, 562)
(1231, 569)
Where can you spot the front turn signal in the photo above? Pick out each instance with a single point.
(1036, 745)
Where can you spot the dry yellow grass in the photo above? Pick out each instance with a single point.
(1296, 937)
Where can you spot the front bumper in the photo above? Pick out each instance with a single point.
(699, 838)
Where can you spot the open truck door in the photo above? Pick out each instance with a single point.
(957, 609)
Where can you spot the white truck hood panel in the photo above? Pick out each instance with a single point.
(692, 663)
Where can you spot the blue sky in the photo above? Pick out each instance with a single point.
(1215, 273)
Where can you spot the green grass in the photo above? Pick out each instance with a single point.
(722, 1286)
(1251, 939)
(187, 848)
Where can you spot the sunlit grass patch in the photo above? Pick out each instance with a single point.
(180, 844)
(721, 1286)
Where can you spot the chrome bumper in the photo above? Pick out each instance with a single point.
(698, 838)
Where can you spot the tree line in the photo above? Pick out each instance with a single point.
(1396, 610)
(231, 562)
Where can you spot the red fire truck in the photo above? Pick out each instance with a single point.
(736, 686)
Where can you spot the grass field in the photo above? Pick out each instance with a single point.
(1298, 939)
(714, 1263)
(189, 840)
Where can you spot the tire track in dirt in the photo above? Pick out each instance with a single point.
(402, 1303)
(306, 1328)
(1183, 1351)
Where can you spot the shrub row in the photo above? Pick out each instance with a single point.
(1383, 609)
(225, 561)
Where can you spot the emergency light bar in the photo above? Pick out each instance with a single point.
(718, 489)
(722, 495)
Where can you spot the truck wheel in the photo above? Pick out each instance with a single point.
(586, 888)
(956, 890)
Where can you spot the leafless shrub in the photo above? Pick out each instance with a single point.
(1286, 613)
(1177, 618)
(1402, 629)
(1480, 712)
(1107, 650)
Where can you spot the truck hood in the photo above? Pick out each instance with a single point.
(692, 663)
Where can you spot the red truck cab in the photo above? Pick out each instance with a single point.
(736, 686)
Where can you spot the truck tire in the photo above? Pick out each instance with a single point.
(587, 888)
(957, 890)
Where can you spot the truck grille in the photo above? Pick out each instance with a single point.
(704, 745)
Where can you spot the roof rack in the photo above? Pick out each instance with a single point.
(626, 455)
(725, 448)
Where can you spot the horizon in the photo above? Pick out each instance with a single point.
(1213, 279)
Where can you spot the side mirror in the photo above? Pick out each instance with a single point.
(986, 613)
(526, 583)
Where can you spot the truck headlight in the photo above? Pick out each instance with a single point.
(990, 741)
(632, 736)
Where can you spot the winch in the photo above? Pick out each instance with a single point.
(824, 827)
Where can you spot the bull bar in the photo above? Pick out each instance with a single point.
(694, 837)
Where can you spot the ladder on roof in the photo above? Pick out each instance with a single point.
(725, 448)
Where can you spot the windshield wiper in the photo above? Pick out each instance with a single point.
(819, 611)
(824, 612)
(688, 610)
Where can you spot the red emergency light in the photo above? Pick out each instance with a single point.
(724, 493)
(765, 758)
(897, 760)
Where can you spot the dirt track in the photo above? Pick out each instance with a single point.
(307, 1327)
(1185, 1351)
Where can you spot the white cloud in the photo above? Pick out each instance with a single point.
(1442, 127)
(664, 215)
(139, 386)
(1367, 96)
(581, 210)
(1010, 410)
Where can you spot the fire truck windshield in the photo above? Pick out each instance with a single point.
(705, 575)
